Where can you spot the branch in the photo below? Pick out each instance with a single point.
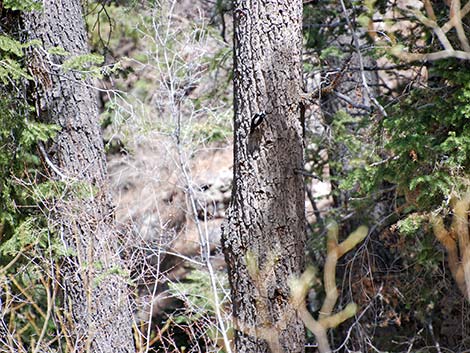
(435, 27)
(456, 15)
(335, 251)
(361, 61)
(458, 232)
(450, 24)
(351, 102)
(443, 54)
(299, 288)
(429, 10)
(457, 20)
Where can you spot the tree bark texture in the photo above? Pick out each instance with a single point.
(96, 304)
(266, 216)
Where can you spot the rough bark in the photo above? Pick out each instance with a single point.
(96, 305)
(266, 217)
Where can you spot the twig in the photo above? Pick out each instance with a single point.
(5, 268)
(450, 24)
(203, 235)
(205, 253)
(457, 18)
(300, 287)
(306, 173)
(316, 211)
(443, 54)
(48, 314)
(457, 13)
(27, 296)
(161, 331)
(436, 343)
(185, 258)
(154, 292)
(50, 164)
(361, 61)
(429, 10)
(350, 102)
(435, 27)
(386, 160)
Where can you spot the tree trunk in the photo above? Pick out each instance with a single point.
(96, 304)
(266, 220)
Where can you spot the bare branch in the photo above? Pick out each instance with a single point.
(457, 18)
(450, 24)
(361, 61)
(434, 26)
(443, 54)
(429, 10)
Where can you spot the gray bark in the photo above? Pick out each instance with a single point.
(267, 216)
(96, 305)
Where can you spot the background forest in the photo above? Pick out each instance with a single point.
(386, 139)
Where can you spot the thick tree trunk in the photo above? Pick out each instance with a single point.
(96, 303)
(266, 219)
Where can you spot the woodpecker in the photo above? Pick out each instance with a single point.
(256, 121)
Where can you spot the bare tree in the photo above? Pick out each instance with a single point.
(264, 236)
(96, 305)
